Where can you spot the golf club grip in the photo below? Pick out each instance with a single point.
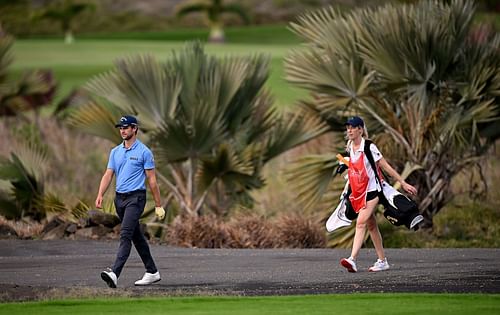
(342, 159)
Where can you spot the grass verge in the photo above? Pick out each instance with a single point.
(373, 304)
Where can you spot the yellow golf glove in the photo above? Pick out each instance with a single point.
(160, 212)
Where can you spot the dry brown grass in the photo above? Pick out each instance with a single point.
(250, 231)
(298, 231)
(24, 229)
(200, 231)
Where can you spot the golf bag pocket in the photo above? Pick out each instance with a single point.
(349, 209)
(338, 219)
(399, 209)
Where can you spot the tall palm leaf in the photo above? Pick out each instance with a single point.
(414, 74)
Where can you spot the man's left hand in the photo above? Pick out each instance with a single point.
(160, 212)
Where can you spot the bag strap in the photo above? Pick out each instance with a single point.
(369, 155)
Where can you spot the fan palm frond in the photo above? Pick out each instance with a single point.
(138, 85)
(311, 176)
(25, 189)
(226, 165)
(342, 81)
(95, 118)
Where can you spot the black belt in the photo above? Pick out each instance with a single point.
(131, 193)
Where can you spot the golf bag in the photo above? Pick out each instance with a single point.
(399, 209)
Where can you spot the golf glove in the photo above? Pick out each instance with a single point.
(160, 212)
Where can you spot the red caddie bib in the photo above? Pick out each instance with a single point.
(358, 180)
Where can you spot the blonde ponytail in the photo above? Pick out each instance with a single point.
(365, 132)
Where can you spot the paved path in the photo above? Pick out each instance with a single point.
(34, 269)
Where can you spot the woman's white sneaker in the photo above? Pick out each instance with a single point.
(149, 278)
(379, 265)
(349, 264)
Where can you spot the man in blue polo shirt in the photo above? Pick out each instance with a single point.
(133, 163)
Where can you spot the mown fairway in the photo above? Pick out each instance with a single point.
(74, 64)
(373, 304)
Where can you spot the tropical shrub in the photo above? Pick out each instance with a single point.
(287, 230)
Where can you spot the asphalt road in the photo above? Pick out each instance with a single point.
(50, 269)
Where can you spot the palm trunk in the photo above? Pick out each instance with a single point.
(436, 188)
(216, 33)
(68, 37)
(177, 194)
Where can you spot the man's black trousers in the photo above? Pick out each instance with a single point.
(129, 207)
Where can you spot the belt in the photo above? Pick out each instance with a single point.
(131, 193)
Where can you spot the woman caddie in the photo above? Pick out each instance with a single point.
(365, 190)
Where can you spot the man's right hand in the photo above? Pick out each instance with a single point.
(98, 202)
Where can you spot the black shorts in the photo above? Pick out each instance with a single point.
(371, 195)
(349, 211)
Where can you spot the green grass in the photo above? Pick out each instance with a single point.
(91, 54)
(261, 34)
(356, 304)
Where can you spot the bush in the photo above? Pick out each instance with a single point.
(297, 231)
(197, 231)
(250, 231)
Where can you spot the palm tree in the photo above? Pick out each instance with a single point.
(214, 10)
(35, 88)
(428, 91)
(208, 120)
(65, 12)
(22, 182)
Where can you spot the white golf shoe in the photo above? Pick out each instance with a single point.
(379, 265)
(149, 278)
(349, 264)
(110, 278)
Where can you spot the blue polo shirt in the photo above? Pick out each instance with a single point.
(129, 166)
